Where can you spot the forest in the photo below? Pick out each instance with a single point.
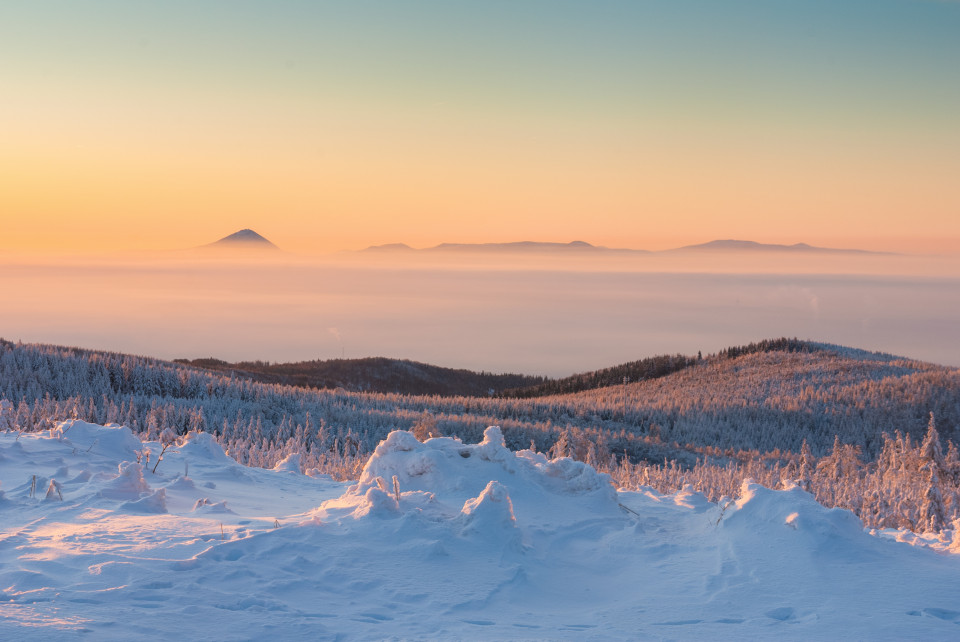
(373, 374)
(870, 432)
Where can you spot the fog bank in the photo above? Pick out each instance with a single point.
(538, 315)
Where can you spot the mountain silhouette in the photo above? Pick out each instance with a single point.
(732, 245)
(245, 239)
(517, 247)
(582, 248)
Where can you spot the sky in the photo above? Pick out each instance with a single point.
(327, 126)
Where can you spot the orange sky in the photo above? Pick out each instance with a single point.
(631, 125)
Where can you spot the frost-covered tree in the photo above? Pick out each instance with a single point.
(7, 416)
(806, 467)
(932, 512)
(930, 449)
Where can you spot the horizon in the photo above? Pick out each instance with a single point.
(238, 238)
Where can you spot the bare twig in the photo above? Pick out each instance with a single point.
(159, 457)
(629, 510)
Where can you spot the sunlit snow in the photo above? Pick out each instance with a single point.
(435, 540)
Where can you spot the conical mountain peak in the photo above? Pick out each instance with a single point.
(244, 239)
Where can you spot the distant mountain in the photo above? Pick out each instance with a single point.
(582, 248)
(390, 247)
(243, 240)
(517, 247)
(732, 245)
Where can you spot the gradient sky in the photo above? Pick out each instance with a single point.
(327, 126)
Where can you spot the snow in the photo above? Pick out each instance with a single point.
(435, 540)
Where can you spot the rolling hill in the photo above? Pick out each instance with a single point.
(764, 397)
(373, 374)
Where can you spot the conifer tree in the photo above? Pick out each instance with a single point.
(930, 449)
(807, 464)
(7, 415)
(932, 511)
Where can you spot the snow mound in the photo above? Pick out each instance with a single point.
(792, 508)
(151, 502)
(181, 483)
(446, 462)
(289, 464)
(377, 503)
(491, 512)
(794, 519)
(202, 446)
(128, 484)
(206, 505)
(116, 442)
(471, 488)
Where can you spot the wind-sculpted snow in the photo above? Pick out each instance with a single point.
(111, 440)
(450, 465)
(128, 484)
(435, 540)
(482, 490)
(203, 447)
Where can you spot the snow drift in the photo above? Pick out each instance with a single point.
(439, 539)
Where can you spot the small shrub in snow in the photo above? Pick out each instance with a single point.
(54, 491)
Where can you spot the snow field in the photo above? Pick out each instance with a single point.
(435, 540)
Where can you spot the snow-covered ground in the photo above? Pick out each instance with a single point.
(483, 543)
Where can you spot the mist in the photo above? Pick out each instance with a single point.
(552, 314)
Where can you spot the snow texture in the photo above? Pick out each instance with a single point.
(435, 540)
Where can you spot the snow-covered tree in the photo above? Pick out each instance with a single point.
(932, 512)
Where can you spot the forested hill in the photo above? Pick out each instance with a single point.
(767, 396)
(380, 374)
(373, 374)
(652, 368)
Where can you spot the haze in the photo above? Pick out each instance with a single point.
(539, 315)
